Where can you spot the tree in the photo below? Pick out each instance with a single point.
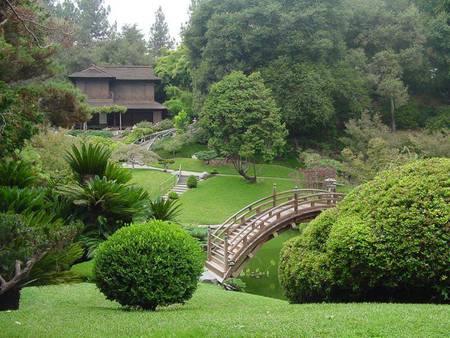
(28, 44)
(304, 94)
(243, 121)
(159, 35)
(126, 48)
(92, 20)
(24, 241)
(386, 72)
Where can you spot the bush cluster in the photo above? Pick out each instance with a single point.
(387, 240)
(147, 265)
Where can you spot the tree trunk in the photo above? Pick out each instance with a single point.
(10, 300)
(238, 164)
(251, 179)
(393, 124)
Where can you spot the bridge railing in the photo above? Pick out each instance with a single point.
(277, 198)
(226, 248)
(295, 204)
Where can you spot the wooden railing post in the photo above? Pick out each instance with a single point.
(274, 194)
(296, 200)
(225, 251)
(209, 243)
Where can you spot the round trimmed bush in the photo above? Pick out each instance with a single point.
(157, 263)
(192, 182)
(388, 240)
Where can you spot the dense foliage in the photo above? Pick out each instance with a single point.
(148, 265)
(387, 240)
(326, 61)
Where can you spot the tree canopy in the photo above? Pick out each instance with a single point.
(326, 61)
(243, 121)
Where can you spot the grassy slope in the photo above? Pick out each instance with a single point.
(81, 311)
(219, 197)
(264, 170)
(186, 151)
(150, 180)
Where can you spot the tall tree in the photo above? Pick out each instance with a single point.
(160, 38)
(29, 39)
(125, 48)
(93, 21)
(243, 122)
(386, 72)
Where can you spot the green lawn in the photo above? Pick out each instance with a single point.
(152, 180)
(79, 310)
(219, 197)
(264, 170)
(186, 151)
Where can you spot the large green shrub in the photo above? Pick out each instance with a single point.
(389, 239)
(147, 265)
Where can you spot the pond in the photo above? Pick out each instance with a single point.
(260, 274)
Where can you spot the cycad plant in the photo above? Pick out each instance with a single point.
(102, 197)
(16, 174)
(91, 160)
(106, 205)
(88, 161)
(165, 210)
(18, 200)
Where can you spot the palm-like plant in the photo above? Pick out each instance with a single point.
(165, 210)
(88, 161)
(105, 205)
(16, 174)
(91, 160)
(21, 200)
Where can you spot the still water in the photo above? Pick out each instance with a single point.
(261, 272)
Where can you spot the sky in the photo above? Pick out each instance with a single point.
(142, 12)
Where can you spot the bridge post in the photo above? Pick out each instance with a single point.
(274, 194)
(225, 251)
(296, 200)
(209, 243)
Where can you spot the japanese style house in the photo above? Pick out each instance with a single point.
(129, 86)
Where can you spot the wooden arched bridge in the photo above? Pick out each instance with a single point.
(235, 241)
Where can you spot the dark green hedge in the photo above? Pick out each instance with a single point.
(389, 239)
(147, 265)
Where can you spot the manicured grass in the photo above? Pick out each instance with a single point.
(79, 310)
(219, 197)
(186, 151)
(151, 181)
(263, 170)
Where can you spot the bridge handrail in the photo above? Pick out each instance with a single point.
(279, 209)
(250, 208)
(154, 135)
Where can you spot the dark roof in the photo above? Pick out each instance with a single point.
(118, 73)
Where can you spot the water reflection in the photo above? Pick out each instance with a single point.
(261, 272)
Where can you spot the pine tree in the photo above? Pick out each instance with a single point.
(93, 20)
(160, 38)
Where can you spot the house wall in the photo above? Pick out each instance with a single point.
(134, 91)
(95, 88)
